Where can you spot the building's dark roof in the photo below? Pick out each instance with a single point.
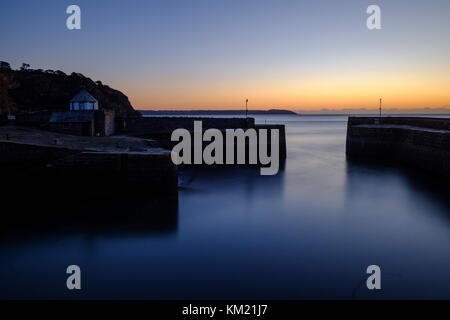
(72, 116)
(83, 96)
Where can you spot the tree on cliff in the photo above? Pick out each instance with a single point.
(28, 90)
(5, 65)
(24, 67)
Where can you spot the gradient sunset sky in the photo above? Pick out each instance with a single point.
(212, 54)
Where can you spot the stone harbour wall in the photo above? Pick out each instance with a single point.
(163, 125)
(59, 170)
(419, 143)
(161, 128)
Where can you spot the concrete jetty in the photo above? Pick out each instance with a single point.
(416, 142)
(98, 166)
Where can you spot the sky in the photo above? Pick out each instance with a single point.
(213, 54)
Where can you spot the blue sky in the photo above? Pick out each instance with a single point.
(279, 53)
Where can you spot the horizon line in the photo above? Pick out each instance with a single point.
(445, 108)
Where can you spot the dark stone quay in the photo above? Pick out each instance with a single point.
(415, 142)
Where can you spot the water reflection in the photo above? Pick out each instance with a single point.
(376, 181)
(243, 180)
(308, 232)
(400, 220)
(55, 216)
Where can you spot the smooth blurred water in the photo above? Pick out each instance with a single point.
(309, 232)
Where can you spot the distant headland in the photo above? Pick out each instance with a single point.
(373, 111)
(215, 112)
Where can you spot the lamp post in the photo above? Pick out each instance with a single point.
(380, 107)
(246, 108)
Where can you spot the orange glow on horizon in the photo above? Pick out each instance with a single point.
(315, 93)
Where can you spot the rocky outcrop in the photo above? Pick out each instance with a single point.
(35, 90)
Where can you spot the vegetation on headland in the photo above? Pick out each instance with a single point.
(27, 90)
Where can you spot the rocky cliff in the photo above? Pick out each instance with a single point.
(33, 90)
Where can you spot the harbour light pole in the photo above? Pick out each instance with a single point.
(380, 107)
(246, 108)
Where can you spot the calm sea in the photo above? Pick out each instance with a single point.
(309, 232)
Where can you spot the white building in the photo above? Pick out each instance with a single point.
(83, 101)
